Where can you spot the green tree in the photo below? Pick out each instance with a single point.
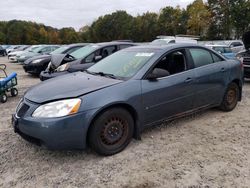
(199, 18)
(240, 16)
(172, 21)
(145, 27)
(115, 26)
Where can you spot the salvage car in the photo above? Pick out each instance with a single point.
(37, 64)
(120, 96)
(43, 49)
(81, 59)
(244, 56)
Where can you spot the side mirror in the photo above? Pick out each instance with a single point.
(157, 73)
(98, 58)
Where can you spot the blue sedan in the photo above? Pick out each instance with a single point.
(117, 98)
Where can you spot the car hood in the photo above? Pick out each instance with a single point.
(246, 40)
(29, 54)
(68, 86)
(16, 53)
(37, 57)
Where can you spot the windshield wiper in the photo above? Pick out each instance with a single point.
(102, 74)
(107, 75)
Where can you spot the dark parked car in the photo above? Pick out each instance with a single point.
(81, 59)
(124, 93)
(2, 51)
(244, 56)
(37, 64)
(43, 49)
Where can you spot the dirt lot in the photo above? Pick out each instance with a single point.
(210, 149)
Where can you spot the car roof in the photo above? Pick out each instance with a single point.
(113, 43)
(164, 47)
(76, 44)
(217, 45)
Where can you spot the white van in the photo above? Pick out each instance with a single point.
(162, 40)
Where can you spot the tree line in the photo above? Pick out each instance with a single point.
(211, 20)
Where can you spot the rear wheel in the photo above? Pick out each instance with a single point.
(111, 132)
(13, 92)
(3, 98)
(231, 97)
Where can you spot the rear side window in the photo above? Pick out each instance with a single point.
(216, 58)
(201, 57)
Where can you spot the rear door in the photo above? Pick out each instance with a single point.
(211, 77)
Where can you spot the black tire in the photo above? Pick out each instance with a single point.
(230, 98)
(3, 98)
(14, 92)
(111, 132)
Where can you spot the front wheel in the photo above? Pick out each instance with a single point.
(231, 97)
(111, 132)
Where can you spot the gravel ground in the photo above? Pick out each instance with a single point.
(209, 149)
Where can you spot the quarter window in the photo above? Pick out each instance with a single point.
(201, 57)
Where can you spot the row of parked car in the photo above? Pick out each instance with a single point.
(128, 90)
(49, 61)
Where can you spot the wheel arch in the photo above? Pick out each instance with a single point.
(125, 106)
(239, 84)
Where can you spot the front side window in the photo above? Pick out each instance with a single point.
(91, 57)
(173, 63)
(108, 51)
(201, 57)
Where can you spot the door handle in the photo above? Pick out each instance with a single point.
(188, 80)
(223, 69)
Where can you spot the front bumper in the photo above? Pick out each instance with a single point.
(13, 58)
(67, 132)
(34, 68)
(46, 75)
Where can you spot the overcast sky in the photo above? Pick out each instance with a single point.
(77, 13)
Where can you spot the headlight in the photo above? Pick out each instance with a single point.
(63, 67)
(36, 61)
(58, 108)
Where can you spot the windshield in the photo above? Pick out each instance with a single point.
(60, 50)
(31, 48)
(84, 51)
(123, 64)
(36, 50)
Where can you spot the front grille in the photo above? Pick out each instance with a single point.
(22, 109)
(246, 60)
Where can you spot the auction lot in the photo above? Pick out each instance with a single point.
(209, 149)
